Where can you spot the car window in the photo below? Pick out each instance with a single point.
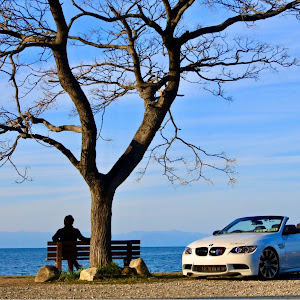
(254, 224)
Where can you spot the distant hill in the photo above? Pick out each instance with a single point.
(161, 238)
(25, 239)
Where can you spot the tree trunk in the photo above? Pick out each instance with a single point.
(100, 248)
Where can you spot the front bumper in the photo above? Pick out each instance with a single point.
(226, 264)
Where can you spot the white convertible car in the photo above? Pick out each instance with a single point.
(263, 245)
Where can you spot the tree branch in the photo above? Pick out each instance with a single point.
(6, 152)
(179, 10)
(51, 127)
(57, 145)
(239, 18)
(69, 83)
(194, 167)
(97, 45)
(117, 17)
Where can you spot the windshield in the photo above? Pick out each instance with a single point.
(254, 224)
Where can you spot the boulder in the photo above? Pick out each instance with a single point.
(127, 271)
(140, 267)
(89, 274)
(47, 273)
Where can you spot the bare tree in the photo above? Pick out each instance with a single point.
(140, 46)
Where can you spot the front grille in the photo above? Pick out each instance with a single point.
(240, 267)
(210, 269)
(217, 251)
(202, 251)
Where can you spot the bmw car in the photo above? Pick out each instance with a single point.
(263, 246)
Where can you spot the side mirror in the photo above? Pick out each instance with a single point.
(216, 232)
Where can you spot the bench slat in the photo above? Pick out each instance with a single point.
(133, 242)
(65, 254)
(117, 247)
(86, 248)
(114, 253)
(68, 243)
(68, 248)
(49, 255)
(125, 242)
(51, 249)
(113, 248)
(87, 258)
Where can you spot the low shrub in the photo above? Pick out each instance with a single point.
(70, 276)
(111, 270)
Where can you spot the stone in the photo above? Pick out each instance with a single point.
(129, 271)
(47, 273)
(89, 274)
(140, 267)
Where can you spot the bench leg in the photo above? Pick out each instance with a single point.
(126, 262)
(58, 257)
(58, 265)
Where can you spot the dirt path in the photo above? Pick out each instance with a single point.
(26, 288)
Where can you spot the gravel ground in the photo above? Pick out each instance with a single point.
(26, 288)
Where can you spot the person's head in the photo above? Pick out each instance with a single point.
(69, 220)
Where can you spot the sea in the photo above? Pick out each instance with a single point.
(27, 261)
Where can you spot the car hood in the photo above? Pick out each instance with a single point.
(233, 239)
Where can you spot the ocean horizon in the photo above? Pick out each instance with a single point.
(171, 238)
(27, 261)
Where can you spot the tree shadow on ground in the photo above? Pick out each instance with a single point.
(290, 276)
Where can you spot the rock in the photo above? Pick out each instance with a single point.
(47, 273)
(129, 271)
(140, 267)
(89, 274)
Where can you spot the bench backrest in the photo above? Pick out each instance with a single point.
(57, 251)
(66, 250)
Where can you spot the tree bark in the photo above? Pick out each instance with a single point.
(101, 213)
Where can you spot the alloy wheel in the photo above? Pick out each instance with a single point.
(268, 264)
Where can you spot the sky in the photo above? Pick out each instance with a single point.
(260, 128)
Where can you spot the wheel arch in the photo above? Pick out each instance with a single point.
(272, 248)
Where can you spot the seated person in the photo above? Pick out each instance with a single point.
(66, 234)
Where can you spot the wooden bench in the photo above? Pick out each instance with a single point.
(58, 251)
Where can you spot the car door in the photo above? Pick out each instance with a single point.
(292, 250)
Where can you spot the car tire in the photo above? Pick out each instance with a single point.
(268, 268)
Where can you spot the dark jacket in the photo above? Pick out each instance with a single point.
(67, 234)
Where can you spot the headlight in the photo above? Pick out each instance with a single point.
(244, 249)
(188, 250)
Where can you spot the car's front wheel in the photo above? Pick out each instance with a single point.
(268, 264)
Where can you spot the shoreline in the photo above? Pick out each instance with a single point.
(24, 287)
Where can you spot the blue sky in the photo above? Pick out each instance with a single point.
(260, 128)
